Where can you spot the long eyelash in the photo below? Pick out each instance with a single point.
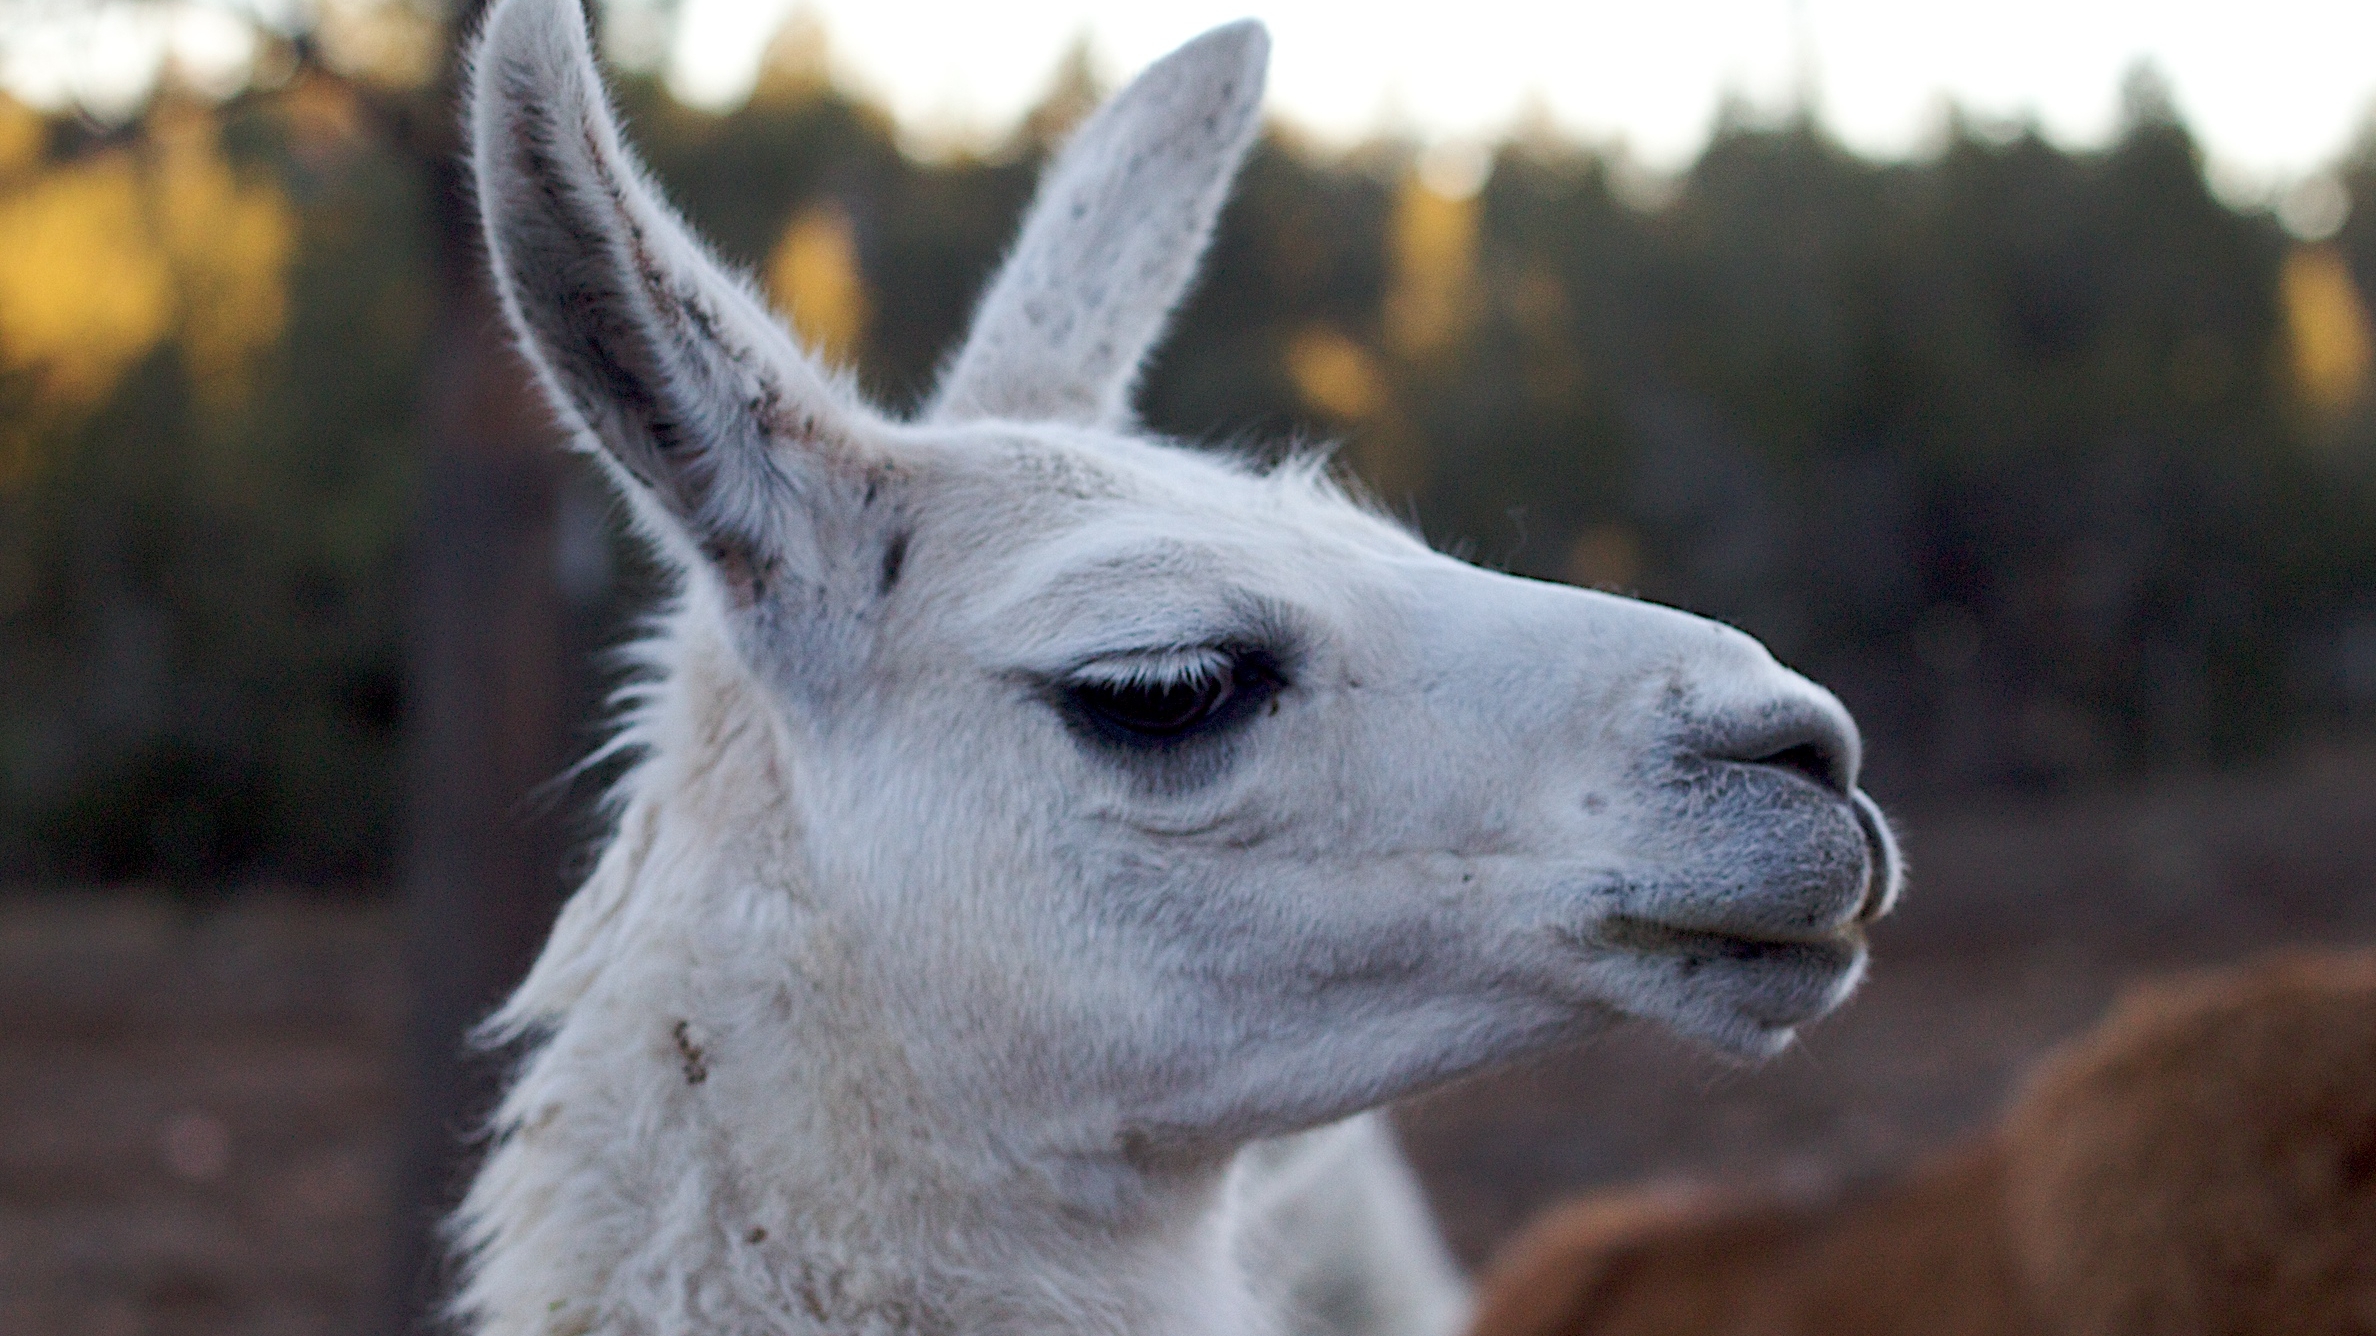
(1157, 667)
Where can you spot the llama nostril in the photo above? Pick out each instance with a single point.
(1817, 747)
(1804, 733)
(1811, 760)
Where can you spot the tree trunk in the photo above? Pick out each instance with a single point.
(491, 699)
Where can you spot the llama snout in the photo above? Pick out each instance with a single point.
(1753, 922)
(1792, 849)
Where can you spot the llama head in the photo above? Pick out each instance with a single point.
(1143, 795)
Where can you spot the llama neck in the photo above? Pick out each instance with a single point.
(716, 1135)
(690, 1155)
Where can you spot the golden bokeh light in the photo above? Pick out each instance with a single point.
(228, 244)
(2328, 335)
(23, 135)
(1432, 297)
(102, 260)
(84, 288)
(815, 278)
(1335, 375)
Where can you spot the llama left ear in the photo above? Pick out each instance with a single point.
(659, 356)
(1112, 241)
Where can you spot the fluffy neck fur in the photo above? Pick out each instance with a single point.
(711, 1135)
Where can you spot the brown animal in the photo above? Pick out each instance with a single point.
(2202, 1162)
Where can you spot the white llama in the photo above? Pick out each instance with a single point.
(1049, 841)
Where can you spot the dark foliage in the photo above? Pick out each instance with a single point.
(2005, 445)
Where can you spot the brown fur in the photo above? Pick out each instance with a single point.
(2204, 1162)
(2207, 1161)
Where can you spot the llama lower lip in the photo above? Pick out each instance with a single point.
(1833, 954)
(1762, 988)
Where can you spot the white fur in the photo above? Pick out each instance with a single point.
(1132, 202)
(908, 996)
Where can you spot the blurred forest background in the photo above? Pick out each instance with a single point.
(2055, 466)
(2058, 465)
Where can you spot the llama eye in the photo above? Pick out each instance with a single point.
(1164, 707)
(1160, 709)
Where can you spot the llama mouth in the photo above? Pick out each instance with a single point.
(1694, 949)
(1740, 993)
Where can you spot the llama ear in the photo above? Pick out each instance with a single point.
(1112, 241)
(649, 347)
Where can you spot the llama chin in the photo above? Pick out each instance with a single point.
(1049, 843)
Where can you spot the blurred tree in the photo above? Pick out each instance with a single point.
(492, 684)
(2043, 456)
(2055, 465)
(207, 343)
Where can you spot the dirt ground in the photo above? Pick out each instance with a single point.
(196, 1106)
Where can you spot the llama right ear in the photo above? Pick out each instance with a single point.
(1112, 241)
(653, 350)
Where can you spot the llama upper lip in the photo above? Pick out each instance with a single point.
(1884, 868)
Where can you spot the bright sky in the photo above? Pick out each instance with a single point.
(2276, 88)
